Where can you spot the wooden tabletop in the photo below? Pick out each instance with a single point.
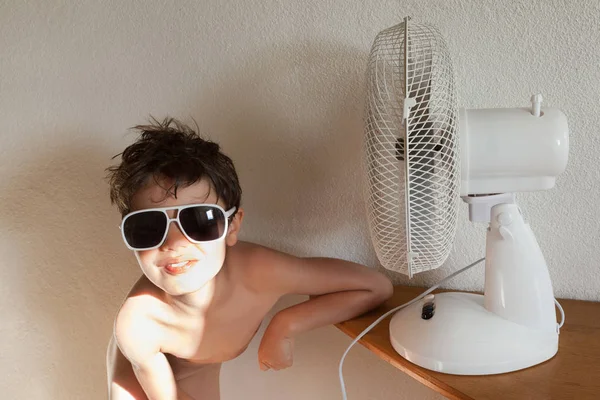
(574, 373)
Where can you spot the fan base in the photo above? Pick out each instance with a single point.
(464, 338)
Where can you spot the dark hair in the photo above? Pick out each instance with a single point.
(171, 150)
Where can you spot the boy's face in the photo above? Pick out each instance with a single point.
(206, 259)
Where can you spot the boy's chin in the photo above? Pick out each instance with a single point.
(185, 284)
(176, 290)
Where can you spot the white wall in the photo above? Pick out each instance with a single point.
(280, 85)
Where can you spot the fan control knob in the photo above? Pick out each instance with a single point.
(428, 309)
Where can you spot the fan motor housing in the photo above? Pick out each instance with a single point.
(507, 150)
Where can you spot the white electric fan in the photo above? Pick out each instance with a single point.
(423, 155)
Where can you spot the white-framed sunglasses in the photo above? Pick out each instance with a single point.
(200, 223)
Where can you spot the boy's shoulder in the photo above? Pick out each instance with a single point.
(263, 269)
(143, 298)
(257, 258)
(138, 315)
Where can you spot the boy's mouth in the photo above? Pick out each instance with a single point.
(180, 267)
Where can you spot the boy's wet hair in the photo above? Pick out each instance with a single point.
(171, 152)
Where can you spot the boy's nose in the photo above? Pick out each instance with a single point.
(175, 238)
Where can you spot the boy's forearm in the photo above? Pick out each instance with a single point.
(326, 309)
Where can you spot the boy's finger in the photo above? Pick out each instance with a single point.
(264, 366)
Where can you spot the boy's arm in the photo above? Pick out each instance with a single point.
(339, 290)
(138, 340)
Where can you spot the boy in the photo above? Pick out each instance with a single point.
(203, 293)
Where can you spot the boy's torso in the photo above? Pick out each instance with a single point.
(219, 333)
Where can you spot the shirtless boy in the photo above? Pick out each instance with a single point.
(204, 293)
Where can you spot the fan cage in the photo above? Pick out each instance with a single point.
(412, 164)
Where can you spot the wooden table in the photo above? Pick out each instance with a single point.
(574, 373)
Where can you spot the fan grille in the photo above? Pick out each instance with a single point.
(411, 205)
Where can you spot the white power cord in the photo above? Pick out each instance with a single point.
(562, 315)
(419, 297)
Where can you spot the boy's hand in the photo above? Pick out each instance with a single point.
(276, 348)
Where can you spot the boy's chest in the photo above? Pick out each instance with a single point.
(221, 334)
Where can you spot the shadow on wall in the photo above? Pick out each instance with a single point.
(62, 245)
(291, 117)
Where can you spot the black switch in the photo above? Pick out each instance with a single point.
(428, 310)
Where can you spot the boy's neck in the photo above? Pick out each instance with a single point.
(208, 295)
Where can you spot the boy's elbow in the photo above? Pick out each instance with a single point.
(388, 289)
(382, 288)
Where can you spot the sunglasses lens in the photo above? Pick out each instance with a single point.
(203, 223)
(145, 229)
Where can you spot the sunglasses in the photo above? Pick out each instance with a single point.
(200, 223)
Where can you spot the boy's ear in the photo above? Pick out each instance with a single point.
(234, 228)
